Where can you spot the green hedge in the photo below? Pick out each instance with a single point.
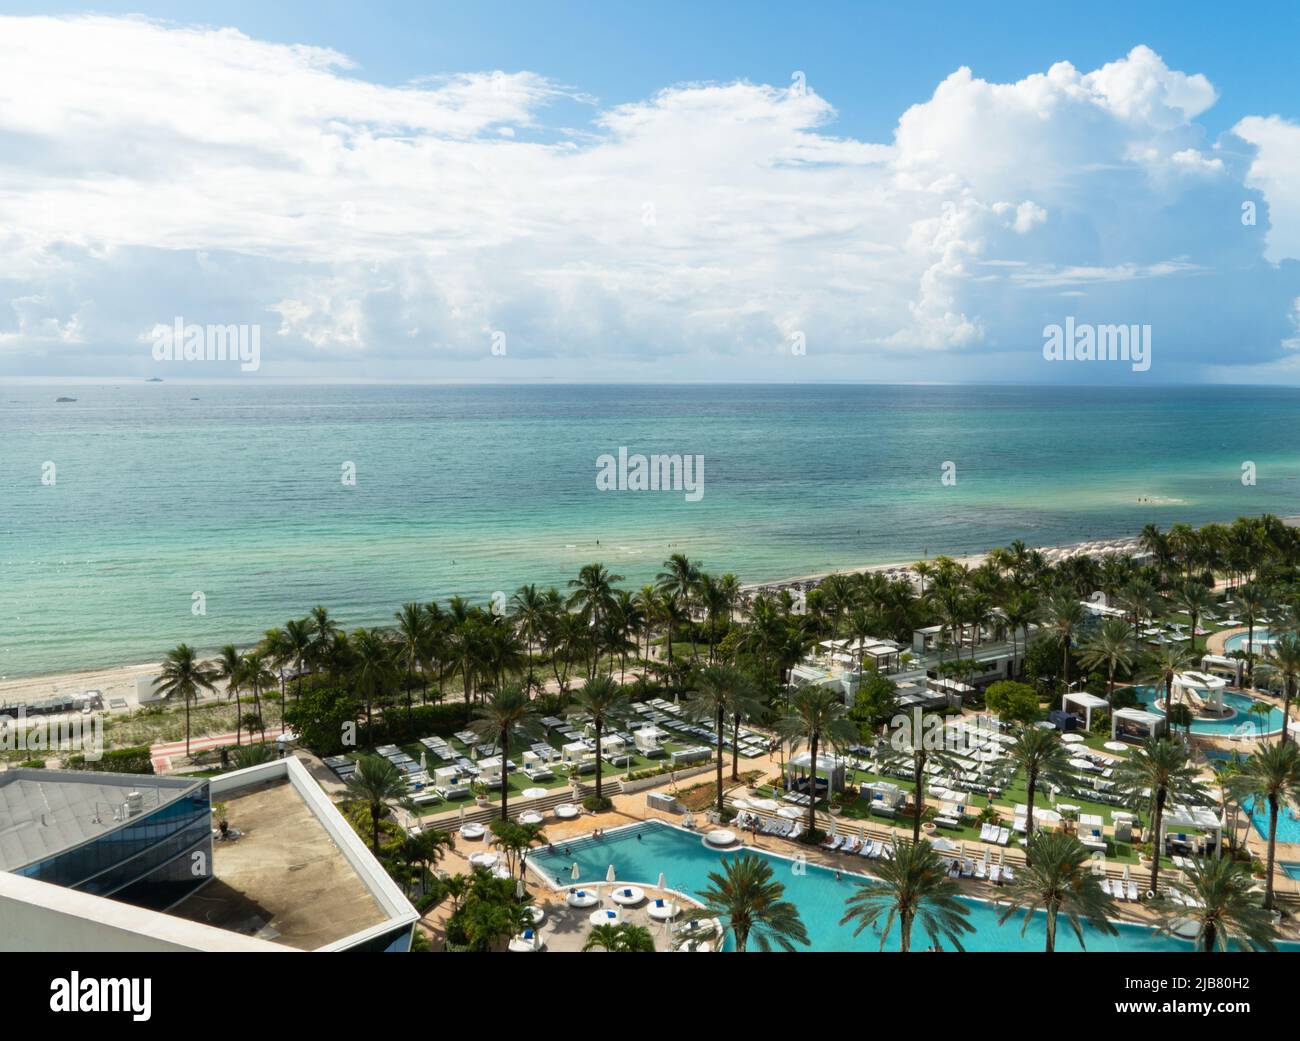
(119, 761)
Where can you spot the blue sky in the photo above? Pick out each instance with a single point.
(644, 192)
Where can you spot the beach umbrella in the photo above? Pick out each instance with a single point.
(1126, 873)
(986, 860)
(519, 889)
(1002, 856)
(461, 815)
(424, 762)
(574, 872)
(609, 875)
(663, 882)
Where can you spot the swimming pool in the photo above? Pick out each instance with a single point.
(1288, 824)
(1290, 869)
(1240, 703)
(640, 852)
(1237, 642)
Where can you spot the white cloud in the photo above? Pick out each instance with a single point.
(154, 170)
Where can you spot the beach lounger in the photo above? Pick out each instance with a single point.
(995, 875)
(1117, 890)
(979, 869)
(968, 868)
(988, 832)
(1008, 874)
(833, 842)
(1105, 886)
(794, 832)
(954, 869)
(1133, 891)
(851, 844)
(1004, 836)
(866, 849)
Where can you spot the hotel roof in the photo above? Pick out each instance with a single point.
(45, 812)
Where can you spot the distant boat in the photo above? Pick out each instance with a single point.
(154, 379)
(65, 399)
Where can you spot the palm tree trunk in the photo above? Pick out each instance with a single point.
(721, 724)
(375, 811)
(1287, 692)
(1156, 817)
(1272, 851)
(1031, 785)
(505, 776)
(918, 796)
(239, 719)
(904, 933)
(187, 726)
(600, 729)
(1051, 928)
(735, 746)
(812, 795)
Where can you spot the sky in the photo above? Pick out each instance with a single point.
(650, 192)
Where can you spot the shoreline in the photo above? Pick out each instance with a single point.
(119, 680)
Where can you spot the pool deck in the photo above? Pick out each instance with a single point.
(566, 929)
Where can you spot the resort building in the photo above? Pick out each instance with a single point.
(114, 862)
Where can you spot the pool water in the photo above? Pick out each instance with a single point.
(1240, 703)
(640, 852)
(1237, 642)
(1290, 869)
(1288, 824)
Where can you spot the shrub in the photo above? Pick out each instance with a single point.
(135, 760)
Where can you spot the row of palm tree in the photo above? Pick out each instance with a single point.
(915, 891)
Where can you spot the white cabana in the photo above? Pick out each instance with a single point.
(827, 766)
(882, 793)
(649, 741)
(1178, 818)
(1135, 724)
(1080, 701)
(1234, 667)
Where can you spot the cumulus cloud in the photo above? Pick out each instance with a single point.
(149, 170)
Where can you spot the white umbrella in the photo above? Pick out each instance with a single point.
(574, 872)
(1126, 873)
(519, 889)
(461, 815)
(609, 875)
(424, 762)
(986, 860)
(1002, 856)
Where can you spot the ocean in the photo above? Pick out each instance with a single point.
(163, 493)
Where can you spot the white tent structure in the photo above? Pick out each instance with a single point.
(1135, 724)
(1201, 818)
(827, 766)
(1080, 701)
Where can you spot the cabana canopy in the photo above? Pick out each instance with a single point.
(1089, 703)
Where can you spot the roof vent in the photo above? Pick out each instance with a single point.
(134, 803)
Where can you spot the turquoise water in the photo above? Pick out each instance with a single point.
(1291, 870)
(1288, 824)
(639, 853)
(1237, 642)
(1241, 703)
(473, 489)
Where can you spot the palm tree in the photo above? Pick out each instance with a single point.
(1043, 758)
(374, 782)
(1166, 662)
(593, 596)
(1056, 880)
(1217, 898)
(1111, 646)
(622, 938)
(907, 750)
(677, 581)
(298, 645)
(412, 643)
(746, 896)
(229, 666)
(183, 674)
(1271, 775)
(529, 608)
(258, 676)
(720, 690)
(916, 891)
(1252, 600)
(1063, 615)
(1150, 777)
(1197, 602)
(1284, 657)
(506, 714)
(323, 630)
(603, 701)
(374, 668)
(816, 716)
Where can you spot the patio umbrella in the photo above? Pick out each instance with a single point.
(609, 875)
(519, 889)
(1126, 873)
(461, 816)
(574, 872)
(1002, 856)
(986, 860)
(663, 882)
(424, 762)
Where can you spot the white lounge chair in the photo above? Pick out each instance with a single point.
(995, 875)
(1133, 891)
